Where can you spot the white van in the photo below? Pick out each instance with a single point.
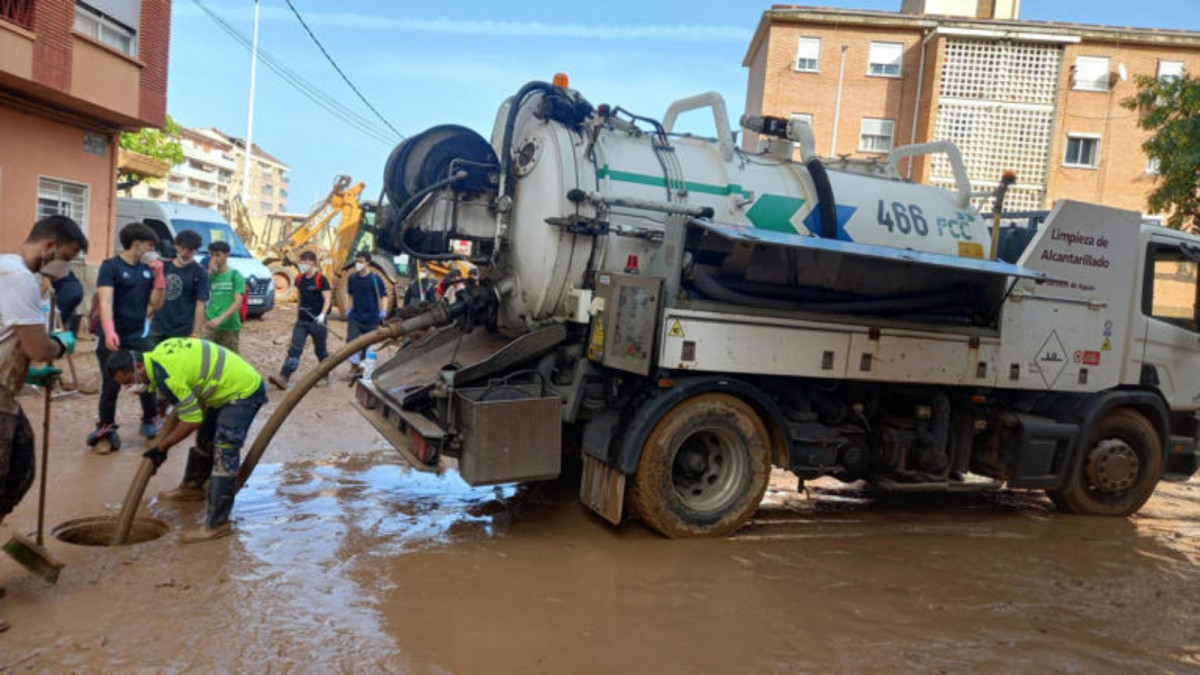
(169, 218)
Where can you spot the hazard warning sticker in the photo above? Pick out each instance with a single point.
(676, 329)
(1051, 359)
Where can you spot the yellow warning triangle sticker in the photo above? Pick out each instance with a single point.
(676, 329)
(1107, 345)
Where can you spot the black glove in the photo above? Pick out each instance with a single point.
(155, 455)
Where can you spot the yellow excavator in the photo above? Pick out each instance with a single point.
(353, 231)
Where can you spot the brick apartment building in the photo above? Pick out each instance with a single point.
(73, 75)
(1040, 98)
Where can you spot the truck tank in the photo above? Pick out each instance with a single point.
(565, 190)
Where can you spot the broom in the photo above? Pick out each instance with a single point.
(33, 556)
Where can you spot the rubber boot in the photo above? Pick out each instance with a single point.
(195, 473)
(280, 381)
(220, 504)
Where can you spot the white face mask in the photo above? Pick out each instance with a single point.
(55, 269)
(305, 268)
(136, 388)
(150, 256)
(358, 267)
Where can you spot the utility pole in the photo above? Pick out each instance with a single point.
(248, 156)
(837, 104)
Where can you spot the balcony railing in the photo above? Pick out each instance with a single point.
(19, 12)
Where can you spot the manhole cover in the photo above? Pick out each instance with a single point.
(98, 531)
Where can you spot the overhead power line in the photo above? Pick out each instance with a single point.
(338, 68)
(309, 90)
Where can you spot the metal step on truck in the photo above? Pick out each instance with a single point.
(683, 315)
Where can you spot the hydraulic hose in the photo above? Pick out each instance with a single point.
(712, 288)
(440, 315)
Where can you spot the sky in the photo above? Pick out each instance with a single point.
(455, 61)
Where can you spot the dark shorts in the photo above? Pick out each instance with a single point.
(16, 460)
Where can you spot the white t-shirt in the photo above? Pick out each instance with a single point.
(20, 305)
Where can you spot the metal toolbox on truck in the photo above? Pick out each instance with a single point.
(509, 432)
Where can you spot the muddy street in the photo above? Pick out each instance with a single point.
(344, 560)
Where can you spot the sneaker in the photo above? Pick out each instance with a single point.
(183, 493)
(205, 533)
(149, 430)
(278, 381)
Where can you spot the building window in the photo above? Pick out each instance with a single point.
(1153, 166)
(876, 135)
(266, 206)
(808, 53)
(1170, 70)
(1091, 73)
(1082, 151)
(268, 190)
(885, 59)
(57, 197)
(103, 28)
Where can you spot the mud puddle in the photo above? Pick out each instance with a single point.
(344, 561)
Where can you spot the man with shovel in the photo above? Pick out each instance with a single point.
(216, 394)
(23, 338)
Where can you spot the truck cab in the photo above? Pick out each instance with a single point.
(169, 218)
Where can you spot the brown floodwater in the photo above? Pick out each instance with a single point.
(344, 560)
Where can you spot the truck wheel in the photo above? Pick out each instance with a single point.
(1121, 464)
(703, 469)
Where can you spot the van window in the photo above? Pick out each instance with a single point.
(166, 243)
(210, 231)
(1172, 288)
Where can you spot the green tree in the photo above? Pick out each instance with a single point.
(1170, 109)
(162, 144)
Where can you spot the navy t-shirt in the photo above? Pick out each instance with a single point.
(366, 292)
(311, 300)
(131, 286)
(186, 286)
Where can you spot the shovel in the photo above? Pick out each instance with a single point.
(33, 556)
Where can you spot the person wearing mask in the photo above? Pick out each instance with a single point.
(448, 289)
(23, 338)
(368, 305)
(227, 287)
(423, 289)
(182, 312)
(315, 298)
(129, 286)
(216, 394)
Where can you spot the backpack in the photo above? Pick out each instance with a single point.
(244, 310)
(94, 315)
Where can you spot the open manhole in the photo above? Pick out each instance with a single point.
(98, 531)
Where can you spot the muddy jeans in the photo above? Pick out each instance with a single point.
(217, 455)
(354, 329)
(300, 332)
(110, 388)
(16, 460)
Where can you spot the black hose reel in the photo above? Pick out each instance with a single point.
(432, 157)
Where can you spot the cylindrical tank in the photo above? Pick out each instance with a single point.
(540, 257)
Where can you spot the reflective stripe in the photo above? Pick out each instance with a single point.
(183, 412)
(190, 400)
(216, 374)
(205, 359)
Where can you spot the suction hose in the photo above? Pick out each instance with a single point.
(440, 315)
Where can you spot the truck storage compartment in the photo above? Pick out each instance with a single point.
(509, 432)
(781, 271)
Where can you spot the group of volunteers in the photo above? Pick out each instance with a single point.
(167, 331)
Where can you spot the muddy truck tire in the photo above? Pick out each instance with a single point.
(703, 470)
(1118, 468)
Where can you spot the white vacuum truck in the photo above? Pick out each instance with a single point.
(684, 315)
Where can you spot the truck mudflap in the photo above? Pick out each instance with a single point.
(1182, 460)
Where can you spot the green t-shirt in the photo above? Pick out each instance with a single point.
(221, 289)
